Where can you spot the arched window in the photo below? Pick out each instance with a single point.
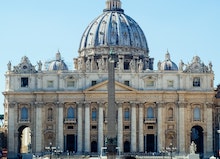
(170, 114)
(71, 113)
(24, 114)
(197, 114)
(50, 114)
(94, 114)
(150, 112)
(126, 114)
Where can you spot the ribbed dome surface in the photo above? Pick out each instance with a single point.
(113, 28)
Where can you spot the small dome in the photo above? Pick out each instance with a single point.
(57, 64)
(167, 64)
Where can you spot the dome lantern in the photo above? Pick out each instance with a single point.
(113, 5)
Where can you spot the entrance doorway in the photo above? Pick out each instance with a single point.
(149, 143)
(126, 146)
(71, 143)
(94, 146)
(197, 137)
(24, 139)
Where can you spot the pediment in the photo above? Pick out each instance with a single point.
(104, 85)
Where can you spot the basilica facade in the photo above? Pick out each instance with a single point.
(66, 109)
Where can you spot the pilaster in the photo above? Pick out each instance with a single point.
(79, 128)
(100, 127)
(87, 127)
(133, 128)
(140, 132)
(120, 127)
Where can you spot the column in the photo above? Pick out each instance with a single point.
(100, 127)
(160, 133)
(38, 128)
(120, 127)
(140, 133)
(79, 128)
(87, 128)
(133, 128)
(181, 129)
(60, 126)
(209, 130)
(12, 147)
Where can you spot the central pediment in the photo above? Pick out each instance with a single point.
(103, 86)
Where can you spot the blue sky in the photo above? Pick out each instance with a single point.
(38, 28)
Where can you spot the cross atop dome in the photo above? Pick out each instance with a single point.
(113, 5)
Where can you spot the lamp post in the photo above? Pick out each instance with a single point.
(171, 149)
(218, 153)
(50, 150)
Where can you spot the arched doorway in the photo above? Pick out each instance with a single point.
(94, 147)
(24, 139)
(197, 137)
(126, 146)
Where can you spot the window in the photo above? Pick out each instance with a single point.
(24, 114)
(196, 82)
(150, 112)
(149, 83)
(94, 83)
(94, 114)
(170, 114)
(70, 83)
(126, 114)
(50, 114)
(49, 84)
(127, 83)
(150, 127)
(170, 83)
(24, 82)
(197, 114)
(71, 113)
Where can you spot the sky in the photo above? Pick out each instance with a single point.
(39, 28)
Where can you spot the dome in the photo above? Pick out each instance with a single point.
(115, 29)
(167, 64)
(57, 64)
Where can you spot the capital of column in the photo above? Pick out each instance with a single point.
(182, 104)
(12, 105)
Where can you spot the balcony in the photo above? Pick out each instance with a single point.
(150, 120)
(24, 121)
(70, 120)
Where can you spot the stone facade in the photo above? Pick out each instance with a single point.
(68, 109)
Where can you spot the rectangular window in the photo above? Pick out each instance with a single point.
(127, 83)
(127, 127)
(170, 83)
(94, 83)
(70, 83)
(24, 82)
(49, 84)
(196, 82)
(149, 83)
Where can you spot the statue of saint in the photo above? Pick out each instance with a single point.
(193, 148)
(9, 66)
(39, 66)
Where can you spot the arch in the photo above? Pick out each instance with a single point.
(94, 146)
(197, 137)
(24, 139)
(126, 146)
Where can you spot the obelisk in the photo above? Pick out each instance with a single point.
(112, 131)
